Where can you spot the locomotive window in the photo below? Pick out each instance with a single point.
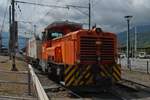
(56, 34)
(52, 35)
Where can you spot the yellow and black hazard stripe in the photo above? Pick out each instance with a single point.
(75, 75)
(116, 72)
(69, 73)
(84, 76)
(104, 72)
(111, 71)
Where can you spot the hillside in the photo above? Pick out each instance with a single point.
(5, 39)
(143, 36)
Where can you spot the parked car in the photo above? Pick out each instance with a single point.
(144, 55)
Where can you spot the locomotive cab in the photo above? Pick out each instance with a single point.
(52, 32)
(57, 29)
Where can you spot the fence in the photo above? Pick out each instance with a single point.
(141, 65)
(37, 85)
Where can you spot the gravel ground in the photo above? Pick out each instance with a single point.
(138, 71)
(139, 77)
(129, 94)
(11, 89)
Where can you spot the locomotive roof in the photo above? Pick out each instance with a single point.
(62, 24)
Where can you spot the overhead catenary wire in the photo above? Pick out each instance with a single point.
(94, 3)
(2, 26)
(32, 14)
(48, 12)
(65, 7)
(3, 22)
(4, 17)
(43, 5)
(81, 11)
(39, 4)
(55, 6)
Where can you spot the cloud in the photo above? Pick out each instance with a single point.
(108, 14)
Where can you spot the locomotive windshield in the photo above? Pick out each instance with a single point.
(51, 35)
(56, 34)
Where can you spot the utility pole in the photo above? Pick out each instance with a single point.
(135, 45)
(89, 14)
(13, 11)
(13, 36)
(128, 41)
(34, 31)
(10, 30)
(0, 41)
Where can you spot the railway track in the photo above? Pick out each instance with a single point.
(125, 90)
(53, 89)
(135, 85)
(129, 90)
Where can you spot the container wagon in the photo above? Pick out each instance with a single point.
(34, 51)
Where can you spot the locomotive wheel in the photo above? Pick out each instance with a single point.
(53, 72)
(39, 67)
(36, 63)
(58, 74)
(49, 72)
(55, 76)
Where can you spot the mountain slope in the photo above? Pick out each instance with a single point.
(143, 36)
(5, 40)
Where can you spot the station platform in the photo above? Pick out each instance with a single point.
(14, 84)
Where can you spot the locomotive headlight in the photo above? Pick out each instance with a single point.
(98, 42)
(78, 61)
(98, 30)
(98, 58)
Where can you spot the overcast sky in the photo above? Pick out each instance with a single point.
(108, 14)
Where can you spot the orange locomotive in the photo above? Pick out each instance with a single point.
(76, 57)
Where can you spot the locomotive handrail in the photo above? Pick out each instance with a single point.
(40, 91)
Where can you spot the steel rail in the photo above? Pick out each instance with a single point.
(59, 85)
(138, 85)
(133, 82)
